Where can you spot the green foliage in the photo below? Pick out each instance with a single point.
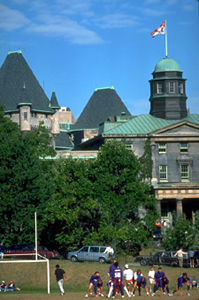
(146, 161)
(99, 201)
(181, 234)
(72, 211)
(197, 220)
(24, 180)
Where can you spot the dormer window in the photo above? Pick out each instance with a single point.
(171, 87)
(159, 88)
(25, 115)
(181, 88)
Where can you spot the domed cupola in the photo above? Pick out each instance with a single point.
(168, 97)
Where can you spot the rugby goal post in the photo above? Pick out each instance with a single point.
(38, 259)
(41, 259)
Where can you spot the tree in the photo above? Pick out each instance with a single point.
(72, 213)
(127, 209)
(181, 234)
(100, 201)
(25, 181)
(146, 162)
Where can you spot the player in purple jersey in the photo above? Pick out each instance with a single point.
(117, 277)
(140, 282)
(96, 283)
(158, 281)
(165, 286)
(183, 279)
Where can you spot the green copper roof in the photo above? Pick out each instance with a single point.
(104, 88)
(145, 124)
(17, 51)
(167, 64)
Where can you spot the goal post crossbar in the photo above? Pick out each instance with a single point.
(43, 260)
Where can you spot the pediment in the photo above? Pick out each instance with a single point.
(183, 129)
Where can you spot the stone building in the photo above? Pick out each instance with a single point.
(24, 99)
(172, 131)
(174, 139)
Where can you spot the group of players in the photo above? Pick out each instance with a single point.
(135, 281)
(10, 287)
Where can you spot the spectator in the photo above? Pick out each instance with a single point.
(2, 286)
(191, 258)
(179, 254)
(2, 250)
(11, 287)
(110, 252)
(60, 277)
(196, 258)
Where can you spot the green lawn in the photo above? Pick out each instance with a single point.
(32, 277)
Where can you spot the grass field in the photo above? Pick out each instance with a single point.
(31, 278)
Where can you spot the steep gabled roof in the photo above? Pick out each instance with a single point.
(54, 101)
(104, 103)
(15, 78)
(146, 123)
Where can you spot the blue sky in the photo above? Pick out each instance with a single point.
(75, 46)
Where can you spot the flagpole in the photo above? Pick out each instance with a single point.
(166, 44)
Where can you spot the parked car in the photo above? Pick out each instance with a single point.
(162, 258)
(90, 253)
(30, 249)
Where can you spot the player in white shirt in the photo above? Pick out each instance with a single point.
(151, 276)
(128, 275)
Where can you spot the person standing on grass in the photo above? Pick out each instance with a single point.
(151, 276)
(117, 280)
(60, 277)
(128, 275)
(179, 254)
(2, 250)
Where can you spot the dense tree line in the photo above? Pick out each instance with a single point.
(104, 200)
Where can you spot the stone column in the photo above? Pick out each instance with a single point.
(179, 209)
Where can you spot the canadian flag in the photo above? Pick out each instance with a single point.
(159, 30)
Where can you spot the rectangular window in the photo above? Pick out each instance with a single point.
(162, 148)
(180, 87)
(159, 88)
(25, 115)
(184, 172)
(163, 173)
(94, 249)
(183, 147)
(172, 87)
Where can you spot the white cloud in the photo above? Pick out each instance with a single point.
(65, 27)
(11, 19)
(117, 20)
